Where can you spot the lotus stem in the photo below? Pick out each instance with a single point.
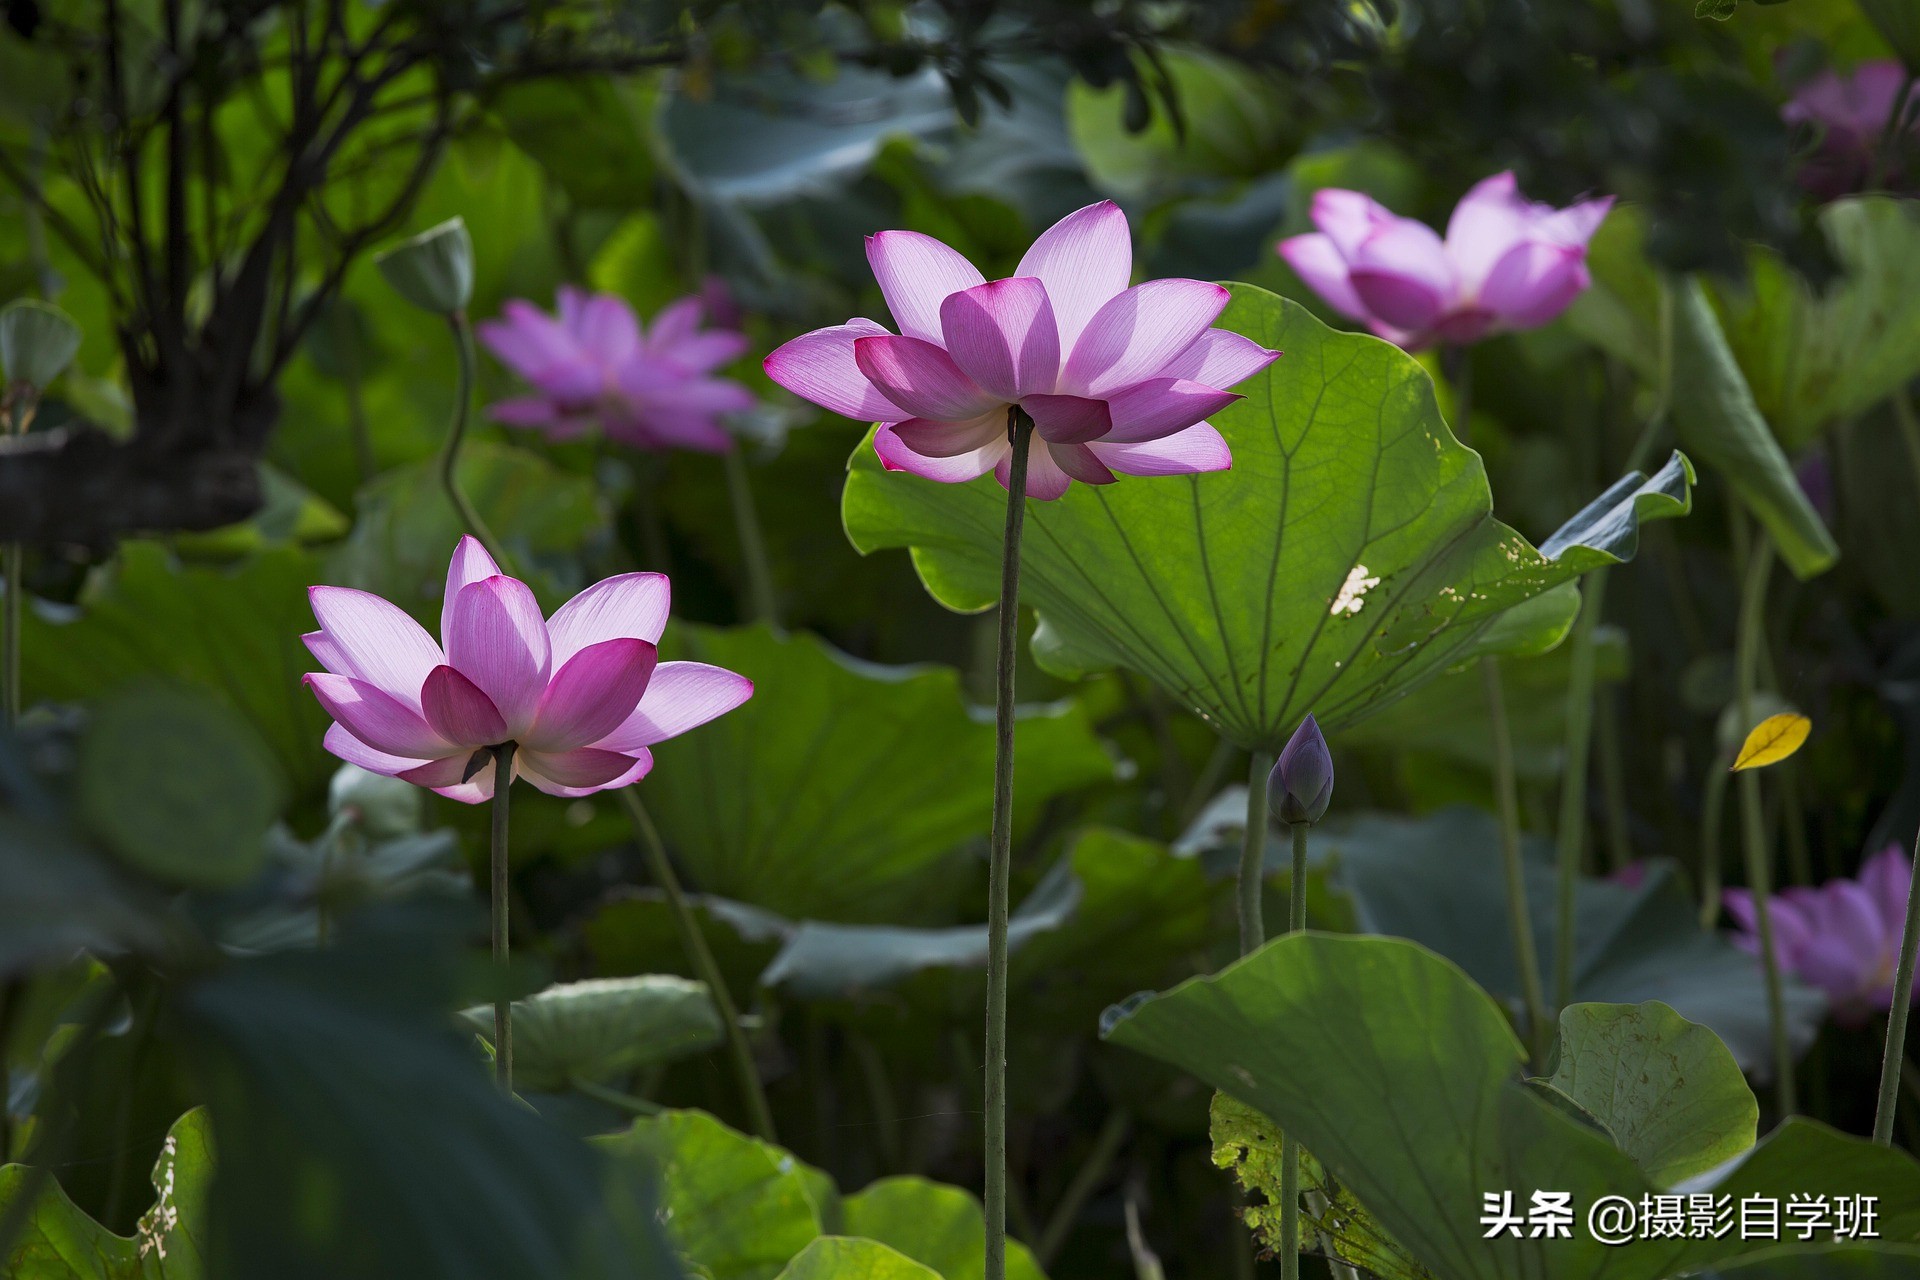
(1518, 919)
(1289, 1145)
(1000, 865)
(502, 1005)
(1573, 784)
(1892, 1065)
(15, 621)
(753, 542)
(615, 1098)
(456, 436)
(1753, 602)
(1903, 413)
(1889, 131)
(705, 967)
(1086, 1179)
(1613, 789)
(1713, 810)
(17, 418)
(1250, 890)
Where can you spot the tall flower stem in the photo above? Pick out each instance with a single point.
(1086, 1180)
(1000, 866)
(1753, 603)
(1904, 414)
(1713, 811)
(753, 542)
(456, 436)
(17, 418)
(1613, 787)
(1888, 133)
(1518, 918)
(1290, 1145)
(1896, 1055)
(1253, 855)
(1573, 783)
(700, 955)
(497, 866)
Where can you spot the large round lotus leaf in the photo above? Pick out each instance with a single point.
(604, 1028)
(1349, 555)
(179, 786)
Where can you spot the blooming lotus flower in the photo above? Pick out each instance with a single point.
(1506, 263)
(596, 365)
(1851, 114)
(581, 694)
(1843, 937)
(1116, 379)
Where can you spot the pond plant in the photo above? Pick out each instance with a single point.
(1506, 410)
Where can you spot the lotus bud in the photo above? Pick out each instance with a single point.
(1301, 784)
(433, 270)
(384, 808)
(37, 343)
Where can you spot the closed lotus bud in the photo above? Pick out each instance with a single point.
(384, 808)
(433, 270)
(37, 342)
(1301, 783)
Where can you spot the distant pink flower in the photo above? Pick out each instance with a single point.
(1116, 379)
(1843, 937)
(1851, 113)
(1632, 875)
(581, 694)
(595, 365)
(1506, 263)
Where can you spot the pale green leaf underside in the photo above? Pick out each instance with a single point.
(1667, 1090)
(1349, 554)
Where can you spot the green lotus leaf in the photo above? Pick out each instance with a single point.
(601, 1028)
(842, 789)
(1406, 1082)
(1350, 554)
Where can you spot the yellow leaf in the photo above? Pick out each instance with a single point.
(1773, 740)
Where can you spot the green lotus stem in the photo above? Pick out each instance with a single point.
(1613, 791)
(1573, 784)
(1894, 1061)
(705, 967)
(1289, 1145)
(880, 1099)
(1086, 1180)
(1250, 890)
(753, 543)
(1208, 781)
(1713, 809)
(1793, 818)
(17, 418)
(329, 843)
(456, 436)
(497, 866)
(614, 1097)
(15, 621)
(1000, 865)
(1888, 132)
(1518, 920)
(1753, 601)
(1903, 413)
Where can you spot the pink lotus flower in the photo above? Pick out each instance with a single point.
(1506, 263)
(1116, 379)
(1843, 937)
(1851, 114)
(594, 364)
(581, 694)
